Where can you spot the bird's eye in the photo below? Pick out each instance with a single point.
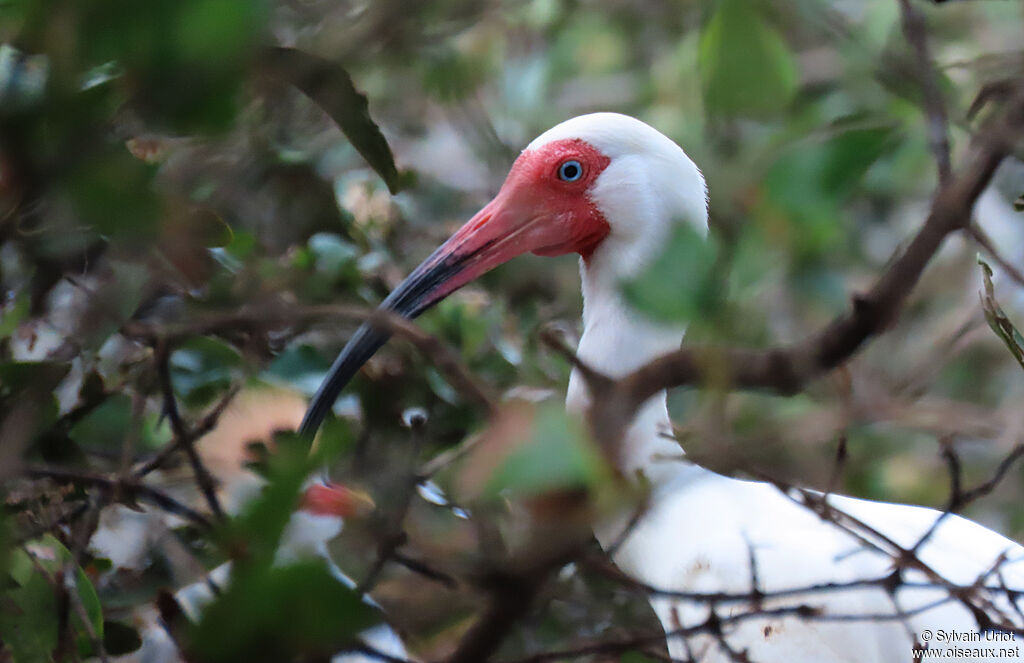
(570, 171)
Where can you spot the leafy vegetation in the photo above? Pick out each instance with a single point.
(196, 194)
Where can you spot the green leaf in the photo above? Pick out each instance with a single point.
(336, 439)
(184, 60)
(849, 155)
(811, 181)
(113, 195)
(557, 455)
(335, 257)
(299, 367)
(330, 86)
(211, 31)
(275, 614)
(997, 318)
(28, 619)
(680, 285)
(14, 314)
(16, 376)
(257, 530)
(745, 66)
(201, 368)
(28, 610)
(106, 426)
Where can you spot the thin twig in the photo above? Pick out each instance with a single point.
(129, 488)
(184, 438)
(916, 32)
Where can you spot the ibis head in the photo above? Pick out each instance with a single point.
(605, 186)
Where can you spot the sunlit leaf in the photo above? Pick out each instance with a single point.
(330, 86)
(745, 66)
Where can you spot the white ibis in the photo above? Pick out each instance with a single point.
(609, 187)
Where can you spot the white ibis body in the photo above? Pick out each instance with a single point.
(609, 187)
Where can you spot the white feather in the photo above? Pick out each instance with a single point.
(702, 529)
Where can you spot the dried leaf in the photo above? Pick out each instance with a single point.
(329, 85)
(997, 318)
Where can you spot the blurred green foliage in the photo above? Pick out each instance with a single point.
(746, 67)
(555, 454)
(680, 286)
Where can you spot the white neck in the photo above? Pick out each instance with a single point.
(616, 340)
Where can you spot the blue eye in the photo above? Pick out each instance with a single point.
(570, 171)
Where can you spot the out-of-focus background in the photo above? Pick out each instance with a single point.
(182, 203)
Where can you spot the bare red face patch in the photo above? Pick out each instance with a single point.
(330, 499)
(559, 176)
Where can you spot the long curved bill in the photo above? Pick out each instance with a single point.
(510, 225)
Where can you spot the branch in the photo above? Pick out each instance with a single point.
(185, 439)
(126, 487)
(278, 317)
(915, 30)
(514, 588)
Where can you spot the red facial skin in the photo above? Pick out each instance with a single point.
(566, 204)
(535, 211)
(331, 499)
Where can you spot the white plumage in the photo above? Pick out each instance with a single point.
(704, 532)
(610, 188)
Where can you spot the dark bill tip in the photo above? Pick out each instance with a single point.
(418, 292)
